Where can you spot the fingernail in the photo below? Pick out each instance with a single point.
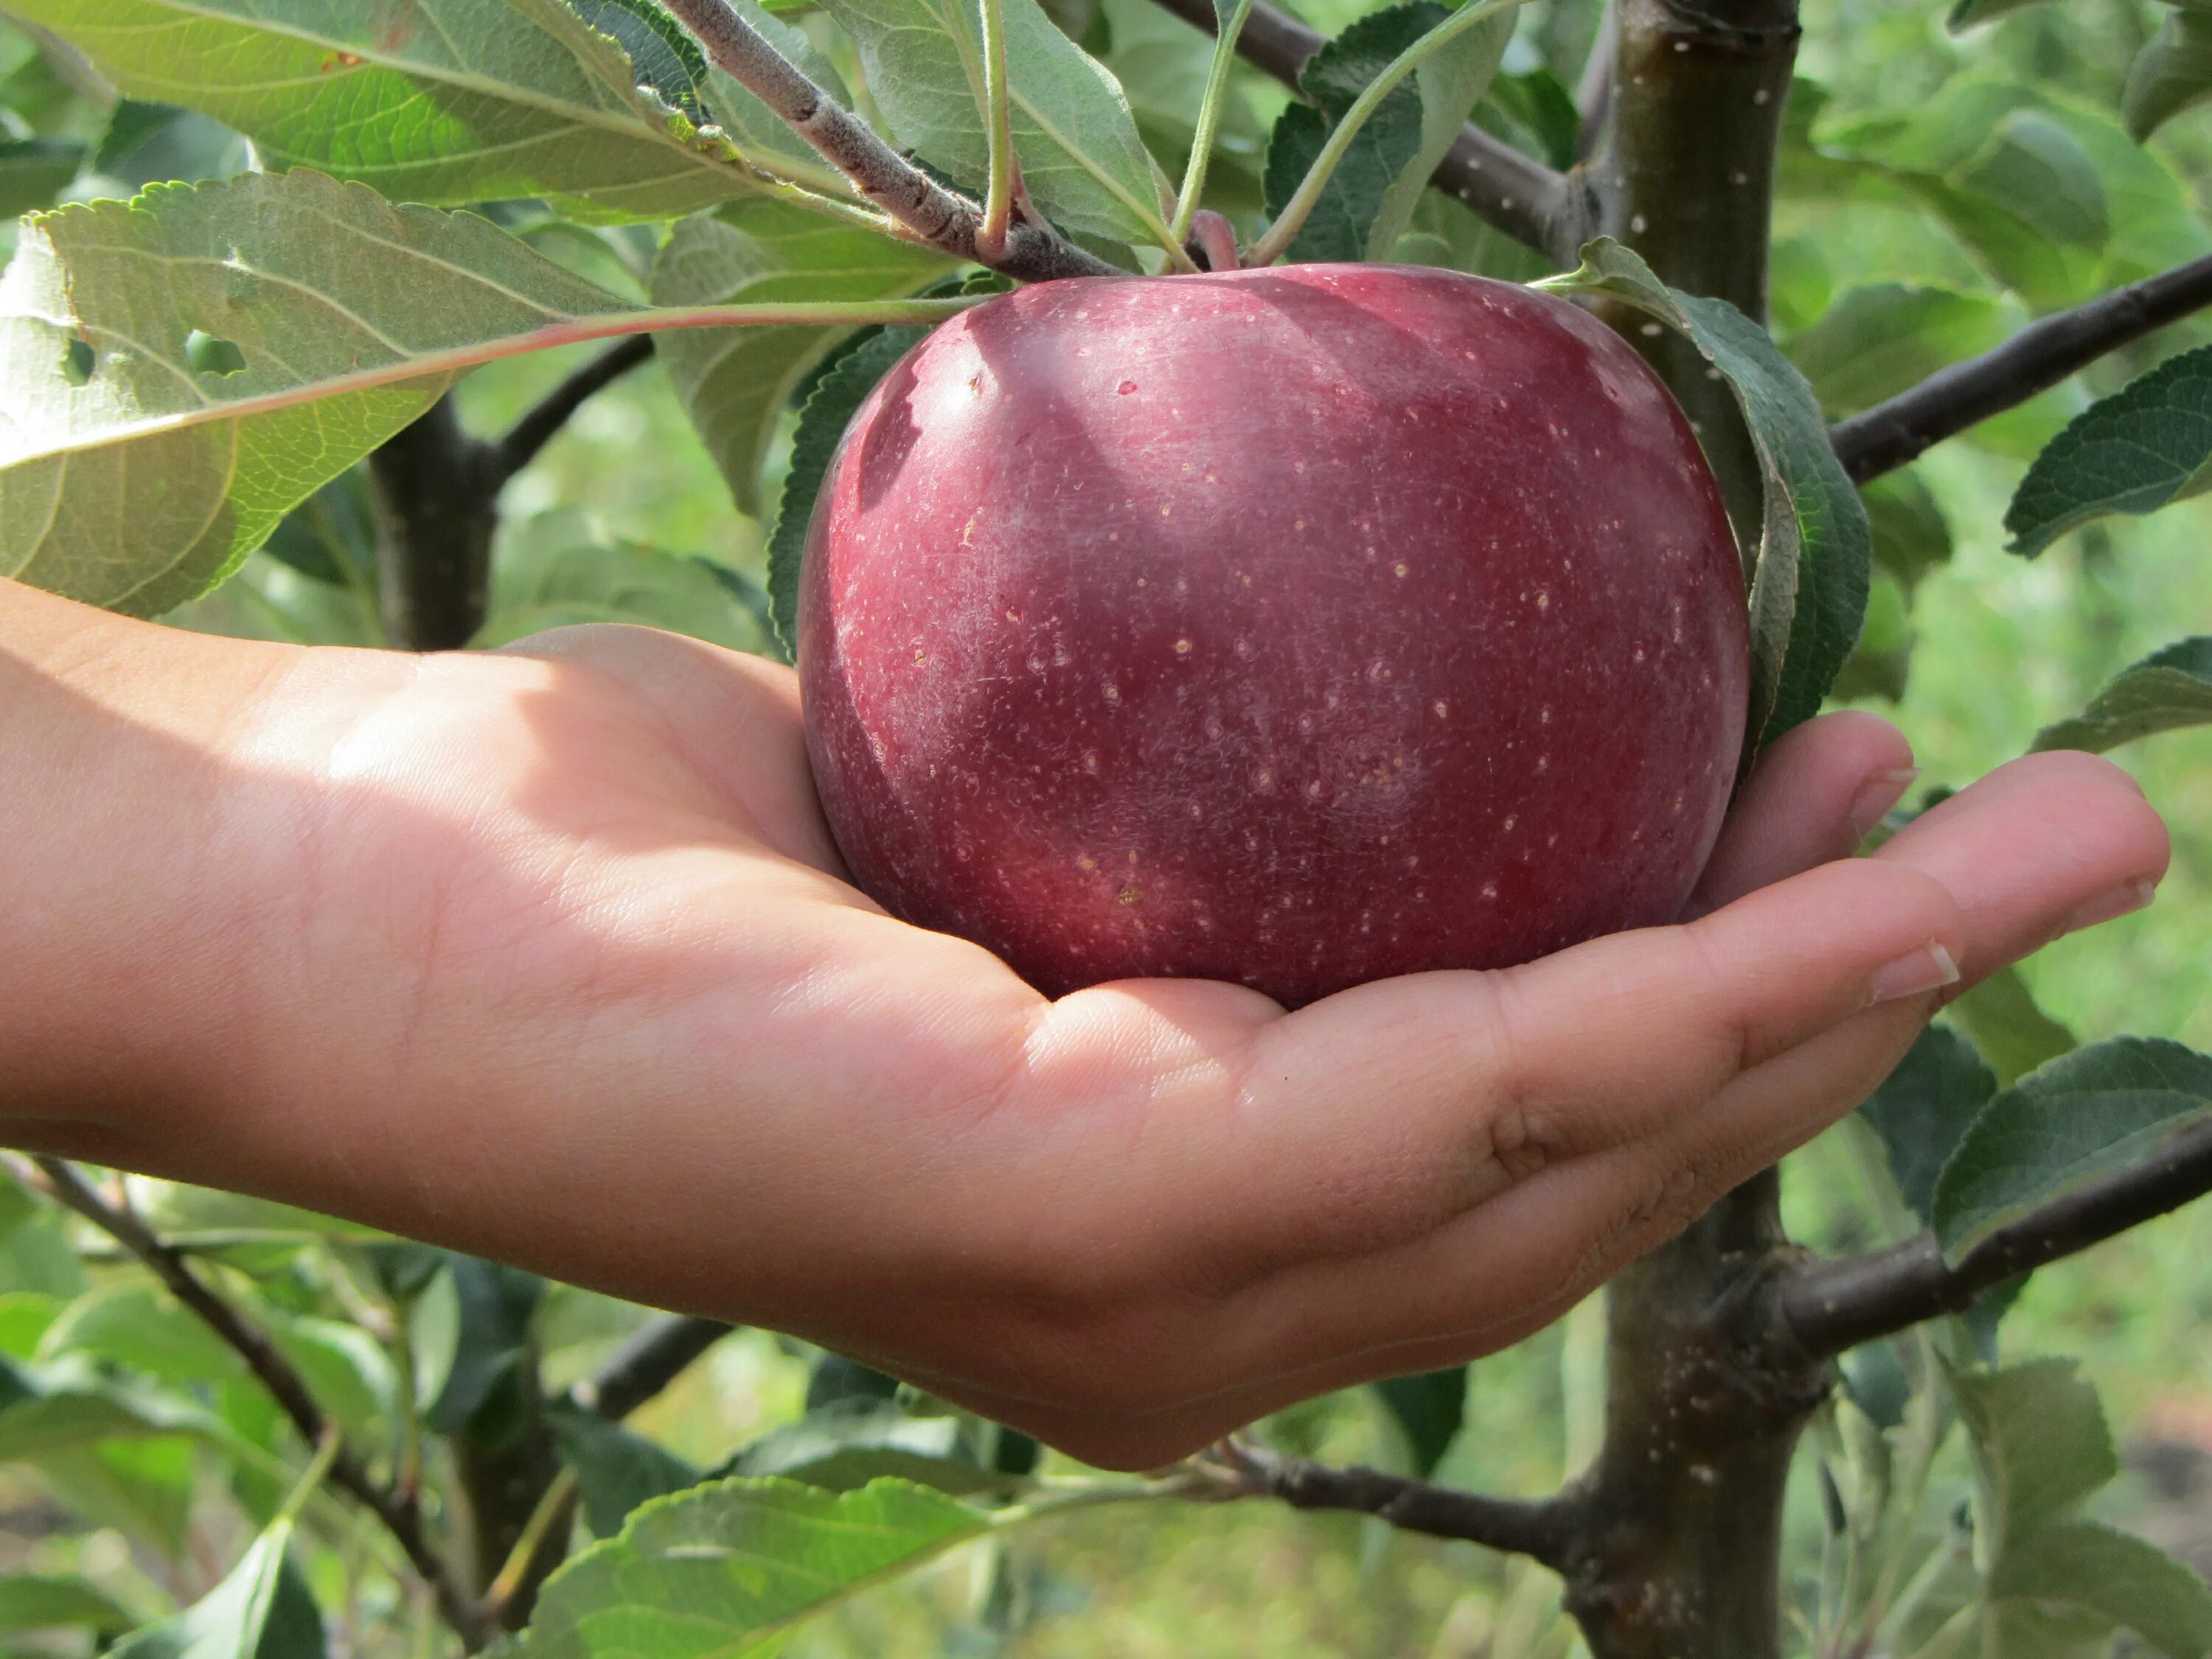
(2120, 901)
(1927, 969)
(1876, 797)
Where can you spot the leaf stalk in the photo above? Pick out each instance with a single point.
(1188, 197)
(1280, 236)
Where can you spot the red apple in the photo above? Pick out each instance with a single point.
(1295, 627)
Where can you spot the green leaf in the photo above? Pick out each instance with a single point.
(2023, 181)
(1370, 197)
(666, 58)
(1808, 593)
(834, 1377)
(1081, 157)
(2013, 1035)
(496, 1305)
(46, 1601)
(144, 1330)
(33, 171)
(2130, 1582)
(2171, 74)
(844, 1446)
(1450, 81)
(68, 1404)
(1911, 537)
(261, 1610)
(2145, 446)
(1924, 1107)
(836, 397)
(131, 479)
(559, 569)
(1535, 113)
(732, 1568)
(2167, 690)
(1967, 13)
(161, 144)
(618, 1470)
(443, 102)
(1873, 342)
(2039, 1442)
(735, 382)
(2095, 1111)
(1428, 1410)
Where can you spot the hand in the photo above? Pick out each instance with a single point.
(547, 957)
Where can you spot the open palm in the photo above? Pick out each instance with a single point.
(547, 955)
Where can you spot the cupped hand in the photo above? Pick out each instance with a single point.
(546, 954)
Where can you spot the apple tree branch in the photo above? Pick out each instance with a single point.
(2044, 353)
(1545, 1530)
(60, 1181)
(927, 211)
(1824, 1308)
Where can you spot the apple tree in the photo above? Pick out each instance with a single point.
(285, 232)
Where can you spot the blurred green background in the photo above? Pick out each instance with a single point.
(2004, 646)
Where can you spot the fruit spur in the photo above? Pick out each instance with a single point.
(1297, 627)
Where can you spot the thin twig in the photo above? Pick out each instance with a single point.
(1034, 253)
(1545, 1530)
(1553, 213)
(537, 428)
(60, 1181)
(2039, 357)
(655, 1355)
(1827, 1307)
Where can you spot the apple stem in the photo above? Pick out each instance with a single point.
(1280, 236)
(1209, 119)
(1213, 239)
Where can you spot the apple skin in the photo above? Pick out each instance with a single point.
(1299, 626)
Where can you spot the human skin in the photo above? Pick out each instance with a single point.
(545, 954)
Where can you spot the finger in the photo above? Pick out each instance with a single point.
(1542, 1238)
(2036, 849)
(1813, 797)
(1373, 1117)
(736, 716)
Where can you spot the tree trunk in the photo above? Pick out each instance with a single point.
(1681, 1551)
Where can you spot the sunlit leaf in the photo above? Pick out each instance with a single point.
(735, 382)
(1081, 156)
(559, 570)
(730, 1568)
(844, 1446)
(444, 102)
(261, 1610)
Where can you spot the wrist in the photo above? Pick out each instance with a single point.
(118, 926)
